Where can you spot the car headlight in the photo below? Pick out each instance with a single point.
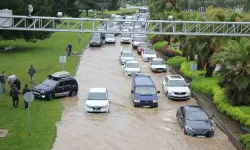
(154, 101)
(88, 106)
(137, 101)
(211, 128)
(170, 92)
(188, 128)
(105, 106)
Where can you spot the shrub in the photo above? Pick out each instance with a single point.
(160, 45)
(157, 38)
(176, 61)
(186, 71)
(245, 140)
(204, 85)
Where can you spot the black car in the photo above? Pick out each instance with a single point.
(57, 85)
(96, 40)
(195, 121)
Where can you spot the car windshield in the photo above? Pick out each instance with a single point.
(158, 62)
(96, 38)
(140, 39)
(48, 82)
(126, 35)
(143, 45)
(177, 83)
(132, 65)
(145, 90)
(97, 96)
(149, 52)
(127, 55)
(196, 115)
(110, 36)
(142, 10)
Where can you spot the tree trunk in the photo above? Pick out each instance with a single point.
(191, 54)
(87, 12)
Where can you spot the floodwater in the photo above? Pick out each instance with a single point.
(125, 127)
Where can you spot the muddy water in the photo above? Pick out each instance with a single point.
(126, 127)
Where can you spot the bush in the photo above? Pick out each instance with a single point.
(158, 38)
(245, 140)
(176, 61)
(204, 85)
(186, 71)
(160, 45)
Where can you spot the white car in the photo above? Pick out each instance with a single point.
(131, 68)
(175, 87)
(137, 40)
(110, 38)
(97, 100)
(125, 38)
(148, 54)
(158, 65)
(126, 56)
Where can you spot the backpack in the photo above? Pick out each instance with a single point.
(14, 92)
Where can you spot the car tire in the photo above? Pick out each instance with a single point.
(210, 135)
(90, 45)
(133, 47)
(50, 97)
(73, 93)
(184, 131)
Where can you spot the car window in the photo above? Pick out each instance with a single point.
(62, 83)
(149, 52)
(126, 35)
(110, 35)
(50, 83)
(66, 83)
(196, 115)
(97, 96)
(145, 90)
(177, 83)
(158, 62)
(132, 65)
(127, 55)
(140, 39)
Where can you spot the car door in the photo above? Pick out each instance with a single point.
(67, 87)
(182, 117)
(59, 89)
(165, 85)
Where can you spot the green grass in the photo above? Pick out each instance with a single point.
(44, 55)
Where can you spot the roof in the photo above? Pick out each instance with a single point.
(193, 108)
(61, 74)
(143, 80)
(97, 90)
(175, 77)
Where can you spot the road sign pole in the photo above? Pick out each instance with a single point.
(29, 118)
(29, 97)
(62, 66)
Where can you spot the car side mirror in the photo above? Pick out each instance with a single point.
(158, 92)
(109, 98)
(166, 84)
(181, 117)
(188, 84)
(132, 91)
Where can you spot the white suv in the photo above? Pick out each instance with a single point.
(176, 87)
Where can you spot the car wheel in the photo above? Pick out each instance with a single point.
(73, 93)
(185, 132)
(210, 135)
(50, 96)
(90, 45)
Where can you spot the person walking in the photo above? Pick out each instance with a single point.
(69, 49)
(31, 72)
(25, 90)
(2, 81)
(14, 94)
(18, 84)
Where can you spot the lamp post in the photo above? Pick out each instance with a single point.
(170, 18)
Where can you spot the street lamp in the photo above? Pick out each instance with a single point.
(170, 18)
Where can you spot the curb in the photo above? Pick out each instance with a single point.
(82, 52)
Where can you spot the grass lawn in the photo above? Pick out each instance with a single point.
(130, 11)
(44, 55)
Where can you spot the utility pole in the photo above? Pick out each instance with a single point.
(188, 7)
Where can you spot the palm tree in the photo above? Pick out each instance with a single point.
(235, 61)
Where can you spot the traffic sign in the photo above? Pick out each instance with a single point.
(29, 97)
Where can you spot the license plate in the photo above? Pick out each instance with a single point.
(146, 106)
(200, 136)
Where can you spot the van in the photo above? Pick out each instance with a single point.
(144, 92)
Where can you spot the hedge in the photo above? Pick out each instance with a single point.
(186, 71)
(159, 45)
(245, 140)
(176, 61)
(204, 85)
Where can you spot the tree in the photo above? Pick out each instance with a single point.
(67, 7)
(235, 73)
(87, 5)
(113, 4)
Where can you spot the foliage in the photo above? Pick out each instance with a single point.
(204, 85)
(159, 45)
(176, 61)
(186, 71)
(44, 114)
(245, 140)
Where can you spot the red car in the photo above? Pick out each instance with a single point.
(142, 46)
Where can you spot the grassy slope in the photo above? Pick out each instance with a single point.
(44, 55)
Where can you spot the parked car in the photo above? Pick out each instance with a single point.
(125, 38)
(148, 54)
(97, 100)
(131, 68)
(126, 56)
(142, 46)
(96, 40)
(158, 65)
(136, 40)
(110, 38)
(57, 85)
(194, 121)
(175, 87)
(144, 92)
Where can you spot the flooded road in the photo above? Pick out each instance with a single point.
(125, 127)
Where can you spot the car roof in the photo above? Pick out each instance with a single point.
(143, 80)
(192, 108)
(97, 90)
(155, 59)
(132, 61)
(61, 74)
(175, 77)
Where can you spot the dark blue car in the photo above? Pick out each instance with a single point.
(143, 92)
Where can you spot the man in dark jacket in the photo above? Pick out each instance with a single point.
(3, 81)
(14, 94)
(31, 72)
(25, 90)
(17, 83)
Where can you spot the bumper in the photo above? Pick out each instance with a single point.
(125, 41)
(110, 41)
(132, 73)
(96, 109)
(145, 104)
(39, 95)
(147, 58)
(173, 96)
(159, 69)
(95, 44)
(207, 133)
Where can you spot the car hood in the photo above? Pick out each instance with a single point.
(204, 124)
(96, 41)
(110, 39)
(149, 55)
(132, 69)
(179, 89)
(127, 58)
(127, 38)
(97, 102)
(43, 87)
(137, 43)
(145, 97)
(158, 66)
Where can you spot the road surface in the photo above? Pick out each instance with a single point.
(126, 127)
